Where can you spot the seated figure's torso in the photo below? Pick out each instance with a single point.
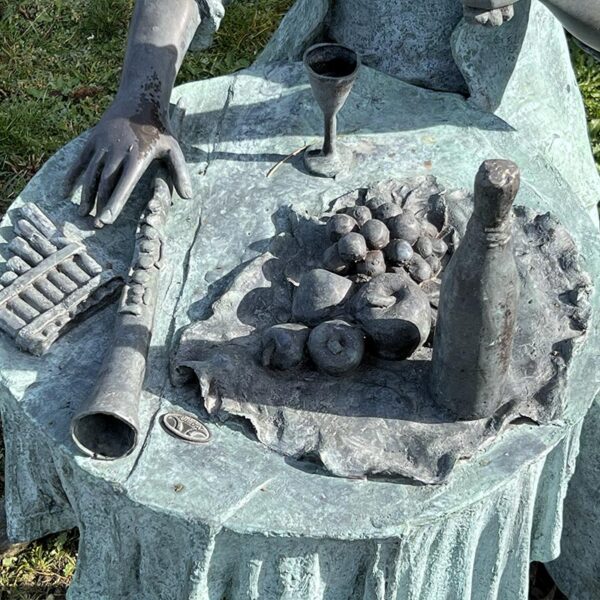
(409, 39)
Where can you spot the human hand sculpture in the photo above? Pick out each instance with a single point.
(128, 138)
(581, 18)
(491, 13)
(136, 130)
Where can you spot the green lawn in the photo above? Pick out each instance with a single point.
(60, 63)
(59, 67)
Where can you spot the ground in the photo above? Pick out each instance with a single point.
(59, 68)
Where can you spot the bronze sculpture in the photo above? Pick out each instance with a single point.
(230, 290)
(332, 70)
(390, 310)
(479, 302)
(135, 130)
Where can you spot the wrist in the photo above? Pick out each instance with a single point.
(141, 100)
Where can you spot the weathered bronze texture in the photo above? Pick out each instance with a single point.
(478, 302)
(332, 70)
(51, 281)
(137, 129)
(107, 426)
(186, 427)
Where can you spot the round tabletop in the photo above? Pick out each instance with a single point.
(235, 129)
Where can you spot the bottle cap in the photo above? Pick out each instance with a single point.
(496, 186)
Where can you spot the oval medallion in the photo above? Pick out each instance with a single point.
(186, 427)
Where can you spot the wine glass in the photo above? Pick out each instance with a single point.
(332, 70)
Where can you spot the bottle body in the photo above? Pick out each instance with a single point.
(475, 329)
(478, 303)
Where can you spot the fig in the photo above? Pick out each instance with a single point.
(405, 227)
(336, 347)
(395, 313)
(319, 295)
(361, 214)
(352, 247)
(376, 234)
(374, 264)
(419, 269)
(284, 346)
(333, 262)
(387, 211)
(399, 252)
(424, 247)
(339, 225)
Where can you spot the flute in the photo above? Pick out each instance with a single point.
(107, 427)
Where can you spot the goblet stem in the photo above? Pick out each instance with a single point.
(330, 138)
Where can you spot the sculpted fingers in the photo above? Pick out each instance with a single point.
(508, 12)
(76, 170)
(90, 183)
(179, 170)
(133, 169)
(489, 18)
(108, 180)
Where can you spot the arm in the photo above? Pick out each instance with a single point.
(581, 18)
(135, 130)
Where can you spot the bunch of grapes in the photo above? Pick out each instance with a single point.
(382, 237)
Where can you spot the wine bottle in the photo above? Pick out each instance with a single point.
(478, 302)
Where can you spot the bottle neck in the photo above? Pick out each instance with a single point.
(496, 236)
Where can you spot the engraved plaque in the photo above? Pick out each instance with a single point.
(186, 427)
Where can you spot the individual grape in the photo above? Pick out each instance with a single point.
(419, 269)
(424, 246)
(435, 263)
(352, 247)
(374, 264)
(429, 229)
(339, 225)
(387, 211)
(439, 247)
(405, 227)
(333, 262)
(399, 252)
(376, 234)
(374, 203)
(361, 214)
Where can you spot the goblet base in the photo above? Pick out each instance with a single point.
(327, 165)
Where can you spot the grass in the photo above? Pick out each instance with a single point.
(588, 76)
(59, 68)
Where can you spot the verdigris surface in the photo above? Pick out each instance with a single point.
(190, 521)
(379, 418)
(48, 282)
